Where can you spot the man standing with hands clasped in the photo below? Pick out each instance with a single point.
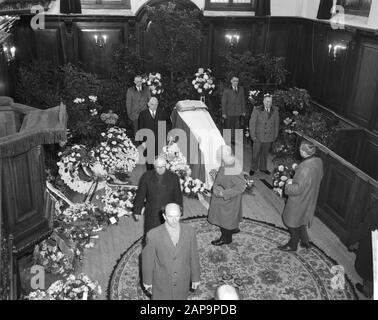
(170, 260)
(233, 106)
(263, 127)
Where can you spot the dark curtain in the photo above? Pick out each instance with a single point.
(324, 11)
(263, 8)
(70, 6)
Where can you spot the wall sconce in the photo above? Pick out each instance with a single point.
(233, 39)
(335, 48)
(10, 53)
(100, 41)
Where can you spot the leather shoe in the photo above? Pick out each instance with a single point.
(251, 173)
(218, 242)
(237, 230)
(360, 288)
(287, 248)
(266, 172)
(305, 245)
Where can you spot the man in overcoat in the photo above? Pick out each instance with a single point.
(158, 188)
(233, 106)
(226, 202)
(136, 100)
(153, 118)
(263, 129)
(170, 260)
(303, 193)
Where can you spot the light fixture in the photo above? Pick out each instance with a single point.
(232, 39)
(335, 48)
(100, 41)
(9, 52)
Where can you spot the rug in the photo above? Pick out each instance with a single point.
(252, 263)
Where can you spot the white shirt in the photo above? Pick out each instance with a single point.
(174, 234)
(153, 113)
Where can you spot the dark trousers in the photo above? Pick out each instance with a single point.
(260, 155)
(296, 234)
(226, 235)
(232, 122)
(135, 126)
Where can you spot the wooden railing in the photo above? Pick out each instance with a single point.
(346, 194)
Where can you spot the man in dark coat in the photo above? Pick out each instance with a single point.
(226, 202)
(158, 187)
(136, 100)
(233, 106)
(153, 118)
(263, 129)
(364, 254)
(303, 193)
(170, 258)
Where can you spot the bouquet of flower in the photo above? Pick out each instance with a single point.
(73, 288)
(118, 202)
(204, 82)
(252, 96)
(153, 81)
(192, 187)
(79, 223)
(281, 175)
(116, 151)
(48, 255)
(71, 168)
(109, 118)
(176, 161)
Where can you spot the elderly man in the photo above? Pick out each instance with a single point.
(170, 258)
(158, 187)
(303, 193)
(263, 127)
(226, 202)
(154, 118)
(136, 100)
(233, 106)
(226, 292)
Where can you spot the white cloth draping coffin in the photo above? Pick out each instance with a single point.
(209, 138)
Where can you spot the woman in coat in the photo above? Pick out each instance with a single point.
(226, 202)
(303, 193)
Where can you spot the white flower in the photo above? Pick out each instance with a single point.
(294, 166)
(92, 98)
(187, 190)
(196, 86)
(199, 90)
(281, 168)
(201, 70)
(284, 178)
(295, 113)
(154, 91)
(158, 75)
(206, 77)
(281, 184)
(194, 82)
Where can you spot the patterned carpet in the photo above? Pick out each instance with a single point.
(252, 263)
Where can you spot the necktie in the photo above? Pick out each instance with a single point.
(154, 114)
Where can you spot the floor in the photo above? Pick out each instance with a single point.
(262, 205)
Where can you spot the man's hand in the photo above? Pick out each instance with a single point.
(148, 287)
(243, 114)
(195, 285)
(136, 217)
(144, 145)
(224, 116)
(290, 181)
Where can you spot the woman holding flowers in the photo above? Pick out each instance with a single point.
(303, 191)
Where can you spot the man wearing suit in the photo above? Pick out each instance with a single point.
(303, 193)
(263, 128)
(158, 187)
(233, 106)
(170, 260)
(151, 119)
(136, 101)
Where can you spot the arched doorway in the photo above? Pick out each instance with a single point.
(147, 41)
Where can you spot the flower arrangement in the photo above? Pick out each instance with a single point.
(176, 161)
(204, 82)
(118, 202)
(80, 223)
(192, 187)
(252, 96)
(70, 168)
(109, 118)
(48, 255)
(153, 81)
(78, 287)
(281, 175)
(116, 151)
